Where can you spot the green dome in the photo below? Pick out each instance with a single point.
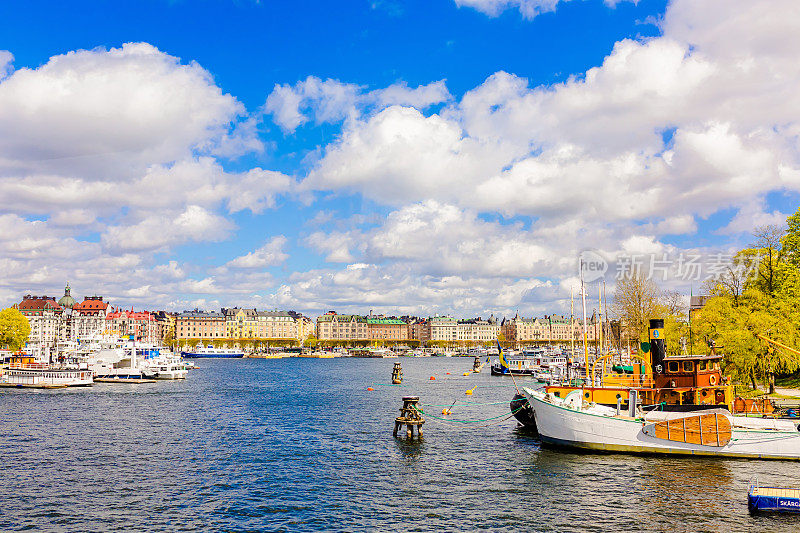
(67, 301)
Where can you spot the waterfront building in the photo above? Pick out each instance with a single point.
(332, 326)
(276, 325)
(199, 325)
(165, 322)
(477, 330)
(552, 328)
(88, 318)
(305, 326)
(141, 325)
(241, 323)
(386, 328)
(44, 317)
(442, 328)
(419, 329)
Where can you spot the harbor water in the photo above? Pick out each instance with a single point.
(302, 445)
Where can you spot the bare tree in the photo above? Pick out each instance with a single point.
(768, 241)
(675, 303)
(636, 300)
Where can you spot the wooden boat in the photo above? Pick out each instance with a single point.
(574, 423)
(772, 499)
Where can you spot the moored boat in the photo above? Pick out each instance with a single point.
(210, 351)
(24, 372)
(572, 422)
(772, 499)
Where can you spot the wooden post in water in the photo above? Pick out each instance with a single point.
(411, 416)
(397, 374)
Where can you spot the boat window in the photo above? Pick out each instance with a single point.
(688, 366)
(702, 365)
(672, 366)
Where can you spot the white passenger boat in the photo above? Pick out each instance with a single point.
(210, 351)
(573, 423)
(24, 372)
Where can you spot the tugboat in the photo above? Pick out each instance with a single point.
(666, 383)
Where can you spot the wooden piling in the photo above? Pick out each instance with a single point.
(411, 416)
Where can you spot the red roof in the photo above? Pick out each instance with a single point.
(38, 303)
(90, 305)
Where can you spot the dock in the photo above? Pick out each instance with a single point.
(124, 380)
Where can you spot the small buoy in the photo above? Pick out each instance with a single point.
(370, 388)
(432, 378)
(468, 393)
(448, 373)
(445, 411)
(466, 373)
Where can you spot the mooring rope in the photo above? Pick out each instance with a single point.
(505, 416)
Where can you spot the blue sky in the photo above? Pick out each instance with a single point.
(409, 157)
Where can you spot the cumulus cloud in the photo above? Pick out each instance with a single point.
(333, 101)
(194, 224)
(110, 112)
(271, 254)
(674, 126)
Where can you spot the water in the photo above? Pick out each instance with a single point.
(301, 445)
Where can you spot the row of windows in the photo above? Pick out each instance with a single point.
(688, 366)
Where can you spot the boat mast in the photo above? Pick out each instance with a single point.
(572, 320)
(585, 346)
(608, 330)
(600, 345)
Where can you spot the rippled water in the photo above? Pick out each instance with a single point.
(301, 445)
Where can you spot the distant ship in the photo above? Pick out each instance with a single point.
(210, 351)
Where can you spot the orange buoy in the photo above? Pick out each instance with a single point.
(432, 378)
(448, 373)
(445, 411)
(370, 388)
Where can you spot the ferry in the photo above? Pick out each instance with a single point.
(210, 351)
(24, 372)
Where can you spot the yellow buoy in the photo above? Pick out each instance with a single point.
(466, 373)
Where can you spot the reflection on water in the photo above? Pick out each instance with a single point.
(301, 445)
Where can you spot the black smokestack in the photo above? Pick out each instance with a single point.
(658, 349)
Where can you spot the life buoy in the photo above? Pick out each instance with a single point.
(713, 379)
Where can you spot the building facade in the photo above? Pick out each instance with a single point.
(386, 328)
(199, 325)
(45, 318)
(140, 325)
(88, 318)
(332, 326)
(442, 328)
(477, 330)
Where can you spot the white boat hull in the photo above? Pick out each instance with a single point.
(565, 426)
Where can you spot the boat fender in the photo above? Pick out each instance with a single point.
(712, 379)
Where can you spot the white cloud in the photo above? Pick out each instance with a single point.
(6, 64)
(271, 254)
(104, 113)
(156, 232)
(665, 128)
(333, 101)
(528, 8)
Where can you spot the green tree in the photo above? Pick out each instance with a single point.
(14, 329)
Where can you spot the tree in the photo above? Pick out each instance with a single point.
(14, 329)
(636, 300)
(769, 245)
(169, 339)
